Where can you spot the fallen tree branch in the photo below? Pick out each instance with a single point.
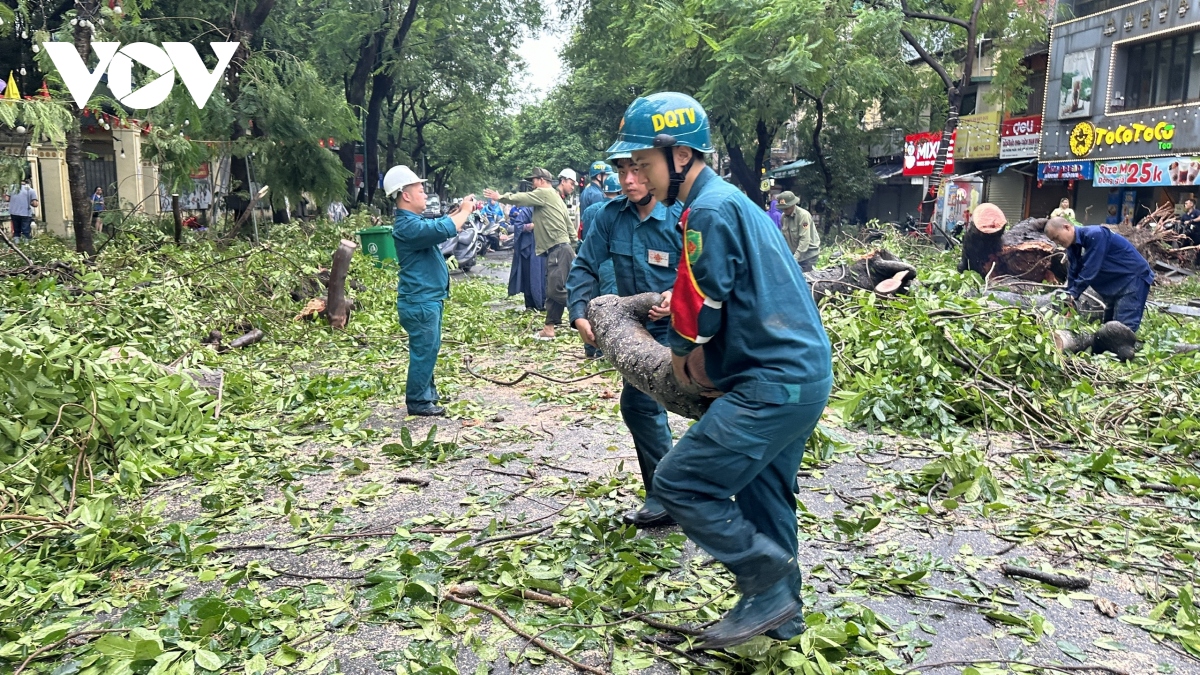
(512, 625)
(467, 591)
(514, 535)
(528, 373)
(13, 246)
(1056, 580)
(68, 638)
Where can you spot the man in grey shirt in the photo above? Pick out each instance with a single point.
(21, 206)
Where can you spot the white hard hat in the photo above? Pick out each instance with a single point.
(569, 174)
(397, 178)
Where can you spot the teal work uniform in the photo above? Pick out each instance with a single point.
(765, 347)
(421, 291)
(643, 255)
(608, 277)
(592, 194)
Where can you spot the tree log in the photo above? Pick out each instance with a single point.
(337, 306)
(879, 271)
(1022, 251)
(1114, 337)
(619, 326)
(252, 337)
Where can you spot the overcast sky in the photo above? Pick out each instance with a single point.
(542, 61)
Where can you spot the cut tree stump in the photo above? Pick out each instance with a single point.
(337, 305)
(619, 326)
(1023, 251)
(878, 271)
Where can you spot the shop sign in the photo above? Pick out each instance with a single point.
(1019, 137)
(920, 153)
(1065, 171)
(1086, 137)
(1149, 172)
(978, 136)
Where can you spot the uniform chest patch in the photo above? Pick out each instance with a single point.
(660, 258)
(694, 245)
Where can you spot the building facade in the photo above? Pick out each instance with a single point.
(1121, 120)
(112, 161)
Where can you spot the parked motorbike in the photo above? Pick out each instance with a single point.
(493, 234)
(464, 246)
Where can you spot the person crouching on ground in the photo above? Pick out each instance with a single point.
(1107, 262)
(424, 282)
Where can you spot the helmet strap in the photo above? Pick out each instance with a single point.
(645, 200)
(676, 177)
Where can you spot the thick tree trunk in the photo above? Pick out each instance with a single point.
(337, 306)
(178, 214)
(81, 214)
(381, 88)
(81, 207)
(954, 88)
(356, 96)
(619, 325)
(1022, 251)
(818, 151)
(878, 271)
(244, 28)
(743, 174)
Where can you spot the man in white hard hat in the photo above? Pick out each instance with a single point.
(568, 180)
(424, 282)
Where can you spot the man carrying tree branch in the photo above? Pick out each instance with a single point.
(741, 308)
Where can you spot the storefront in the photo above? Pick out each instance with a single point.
(1057, 181)
(1124, 95)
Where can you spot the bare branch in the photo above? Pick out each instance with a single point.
(928, 58)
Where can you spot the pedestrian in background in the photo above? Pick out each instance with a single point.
(527, 275)
(21, 206)
(775, 213)
(554, 233)
(98, 209)
(799, 231)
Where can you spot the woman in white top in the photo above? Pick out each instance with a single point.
(1064, 210)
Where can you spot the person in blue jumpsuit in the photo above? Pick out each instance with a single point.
(636, 235)
(424, 281)
(744, 329)
(612, 190)
(1107, 262)
(594, 192)
(608, 277)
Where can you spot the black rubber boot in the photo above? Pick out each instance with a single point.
(754, 615)
(767, 563)
(794, 626)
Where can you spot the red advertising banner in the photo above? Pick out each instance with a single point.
(920, 152)
(1019, 137)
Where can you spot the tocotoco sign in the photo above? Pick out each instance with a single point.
(117, 61)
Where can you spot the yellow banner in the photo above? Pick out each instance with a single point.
(11, 92)
(978, 136)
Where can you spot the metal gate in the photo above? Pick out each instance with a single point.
(101, 173)
(1007, 190)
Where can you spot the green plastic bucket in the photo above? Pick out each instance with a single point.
(377, 242)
